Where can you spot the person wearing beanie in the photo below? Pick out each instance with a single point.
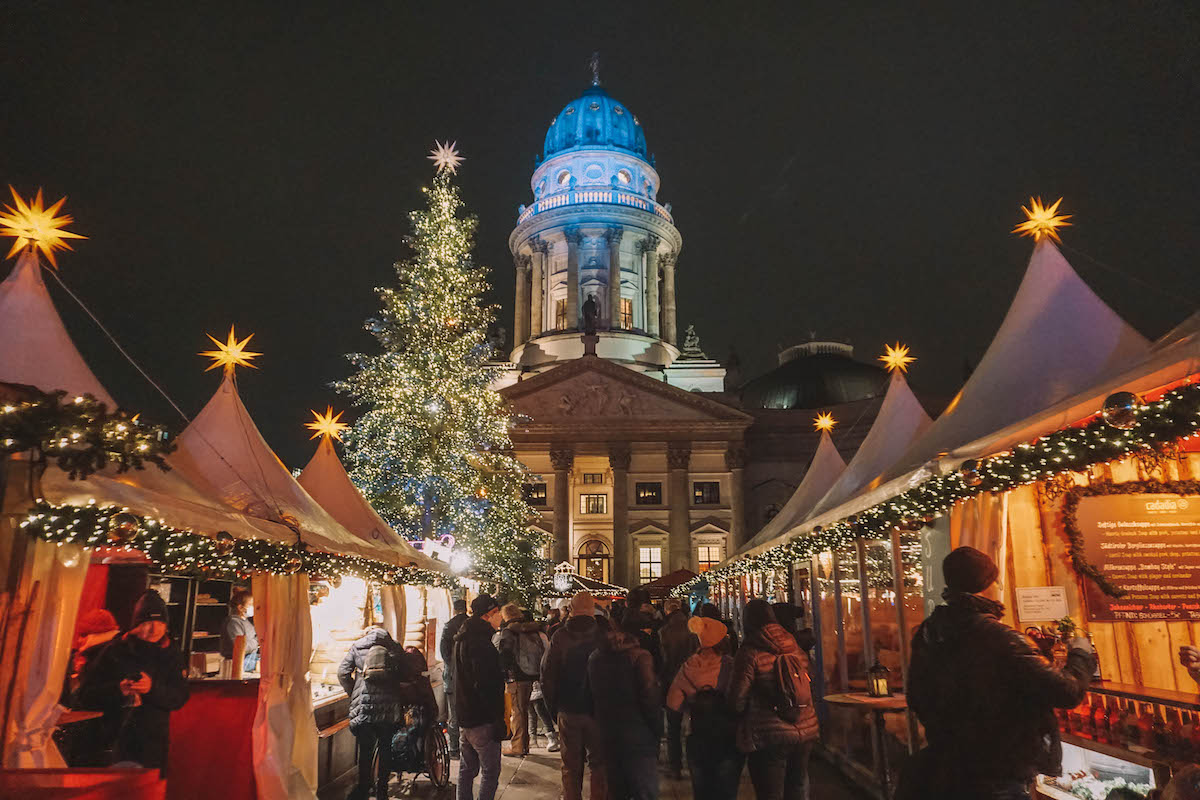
(137, 680)
(90, 740)
(701, 688)
(479, 700)
(569, 698)
(446, 650)
(985, 694)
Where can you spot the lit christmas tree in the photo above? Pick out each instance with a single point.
(432, 452)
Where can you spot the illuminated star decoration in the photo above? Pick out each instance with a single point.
(1042, 221)
(824, 421)
(896, 357)
(35, 226)
(230, 354)
(445, 157)
(327, 424)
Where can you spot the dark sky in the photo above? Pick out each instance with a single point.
(855, 173)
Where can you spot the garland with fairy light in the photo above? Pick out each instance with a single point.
(187, 553)
(1125, 428)
(80, 435)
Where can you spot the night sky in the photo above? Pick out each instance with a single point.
(852, 173)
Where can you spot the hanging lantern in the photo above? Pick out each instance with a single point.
(877, 680)
(969, 472)
(122, 527)
(293, 565)
(224, 543)
(1120, 410)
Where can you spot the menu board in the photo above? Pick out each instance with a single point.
(1148, 545)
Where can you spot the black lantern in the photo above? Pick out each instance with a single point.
(877, 680)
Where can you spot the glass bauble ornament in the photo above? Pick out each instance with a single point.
(293, 565)
(224, 543)
(969, 472)
(122, 527)
(1120, 410)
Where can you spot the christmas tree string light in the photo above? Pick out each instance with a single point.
(431, 450)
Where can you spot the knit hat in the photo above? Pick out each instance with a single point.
(710, 632)
(969, 571)
(150, 608)
(483, 604)
(583, 604)
(98, 620)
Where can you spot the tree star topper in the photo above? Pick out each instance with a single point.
(327, 424)
(1042, 221)
(36, 227)
(896, 357)
(446, 157)
(230, 354)
(824, 421)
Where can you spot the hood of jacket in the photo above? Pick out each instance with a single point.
(524, 627)
(372, 637)
(775, 639)
(619, 642)
(474, 626)
(581, 624)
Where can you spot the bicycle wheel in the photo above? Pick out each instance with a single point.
(437, 757)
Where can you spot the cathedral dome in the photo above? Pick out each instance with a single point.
(815, 375)
(595, 121)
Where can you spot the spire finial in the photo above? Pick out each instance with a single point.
(594, 65)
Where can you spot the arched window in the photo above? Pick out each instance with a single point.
(593, 560)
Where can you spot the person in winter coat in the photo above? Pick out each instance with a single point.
(137, 680)
(89, 742)
(446, 650)
(370, 674)
(701, 687)
(628, 711)
(569, 698)
(677, 644)
(777, 743)
(479, 700)
(985, 694)
(522, 645)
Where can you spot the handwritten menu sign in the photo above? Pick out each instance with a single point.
(1148, 545)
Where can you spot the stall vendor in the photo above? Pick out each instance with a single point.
(1189, 657)
(241, 608)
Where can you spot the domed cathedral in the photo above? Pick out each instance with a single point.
(638, 462)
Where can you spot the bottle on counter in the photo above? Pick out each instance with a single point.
(1133, 731)
(1100, 719)
(1075, 718)
(1162, 734)
(1058, 653)
(1145, 725)
(1176, 744)
(1096, 677)
(1116, 721)
(1194, 738)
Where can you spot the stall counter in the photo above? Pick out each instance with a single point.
(211, 747)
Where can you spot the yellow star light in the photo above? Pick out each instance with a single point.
(445, 157)
(896, 357)
(33, 225)
(1042, 221)
(327, 424)
(824, 421)
(230, 354)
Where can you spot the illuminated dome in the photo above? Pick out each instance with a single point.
(595, 121)
(815, 375)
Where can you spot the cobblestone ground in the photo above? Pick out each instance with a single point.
(537, 777)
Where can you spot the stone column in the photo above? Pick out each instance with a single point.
(735, 462)
(669, 330)
(618, 459)
(680, 540)
(562, 461)
(521, 314)
(613, 236)
(537, 285)
(574, 239)
(650, 248)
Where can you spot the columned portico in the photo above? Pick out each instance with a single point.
(538, 285)
(613, 237)
(680, 543)
(562, 459)
(650, 248)
(735, 462)
(521, 317)
(574, 238)
(619, 458)
(667, 264)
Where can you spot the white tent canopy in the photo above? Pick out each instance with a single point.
(900, 422)
(325, 479)
(826, 465)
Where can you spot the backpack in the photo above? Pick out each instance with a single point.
(530, 647)
(377, 664)
(712, 718)
(792, 690)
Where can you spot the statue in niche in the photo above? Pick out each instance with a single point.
(591, 314)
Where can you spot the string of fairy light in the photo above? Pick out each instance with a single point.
(1126, 427)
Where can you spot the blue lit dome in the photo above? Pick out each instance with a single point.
(595, 121)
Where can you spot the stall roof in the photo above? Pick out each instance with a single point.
(1056, 339)
(823, 471)
(223, 452)
(900, 422)
(326, 481)
(37, 350)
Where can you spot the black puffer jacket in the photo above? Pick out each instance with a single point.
(986, 697)
(376, 700)
(626, 694)
(753, 685)
(446, 649)
(478, 678)
(564, 667)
